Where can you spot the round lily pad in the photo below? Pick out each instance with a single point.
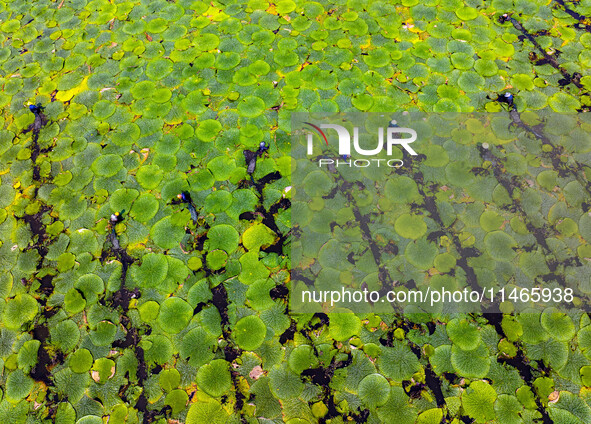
(216, 259)
(206, 412)
(19, 310)
(490, 221)
(257, 236)
(374, 390)
(177, 399)
(197, 347)
(157, 69)
(402, 189)
(410, 226)
(421, 253)
(564, 103)
(218, 201)
(81, 361)
(103, 109)
(107, 165)
(227, 60)
(143, 89)
(478, 401)
(466, 13)
(91, 285)
(174, 315)
(152, 271)
(471, 363)
(214, 378)
(463, 334)
(302, 358)
(74, 302)
(221, 167)
(149, 311)
(343, 325)
(104, 334)
(559, 325)
(259, 67)
(250, 332)
(208, 130)
(223, 237)
(166, 234)
(149, 176)
(284, 384)
(251, 106)
(158, 348)
(122, 199)
(145, 207)
(500, 245)
(18, 385)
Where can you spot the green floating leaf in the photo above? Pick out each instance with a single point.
(214, 378)
(343, 325)
(251, 106)
(90, 419)
(302, 358)
(250, 332)
(478, 401)
(410, 226)
(471, 363)
(421, 253)
(466, 13)
(122, 199)
(218, 201)
(174, 315)
(463, 334)
(18, 386)
(80, 361)
(398, 362)
(27, 355)
(216, 259)
(209, 411)
(19, 310)
(169, 379)
(257, 236)
(177, 400)
(105, 368)
(557, 324)
(91, 286)
(223, 237)
(157, 348)
(374, 390)
(149, 311)
(145, 207)
(259, 67)
(107, 165)
(143, 89)
(284, 384)
(166, 234)
(508, 409)
(564, 103)
(104, 334)
(74, 302)
(197, 345)
(149, 176)
(103, 109)
(491, 221)
(153, 270)
(208, 130)
(221, 167)
(157, 69)
(500, 245)
(433, 415)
